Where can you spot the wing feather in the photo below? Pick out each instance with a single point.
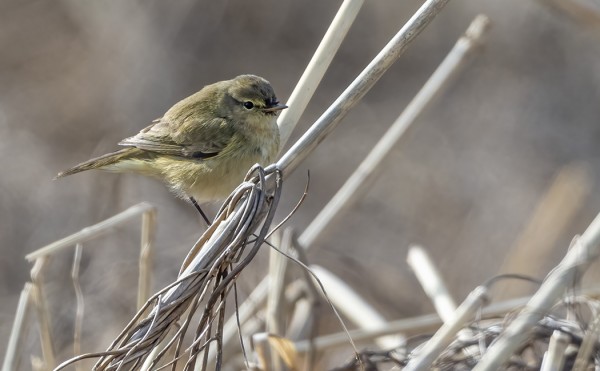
(162, 137)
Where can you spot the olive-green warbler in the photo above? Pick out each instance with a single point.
(203, 146)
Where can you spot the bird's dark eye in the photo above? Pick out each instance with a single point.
(248, 105)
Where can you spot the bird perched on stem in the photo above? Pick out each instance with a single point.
(203, 146)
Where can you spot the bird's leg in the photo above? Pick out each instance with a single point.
(195, 203)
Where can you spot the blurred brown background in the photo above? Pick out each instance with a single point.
(76, 77)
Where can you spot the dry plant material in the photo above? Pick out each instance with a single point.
(472, 342)
(207, 275)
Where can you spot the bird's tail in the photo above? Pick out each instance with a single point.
(109, 161)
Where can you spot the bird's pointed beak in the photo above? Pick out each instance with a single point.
(277, 107)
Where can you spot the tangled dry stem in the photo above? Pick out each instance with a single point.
(571, 320)
(207, 275)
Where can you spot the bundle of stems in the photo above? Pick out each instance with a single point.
(202, 286)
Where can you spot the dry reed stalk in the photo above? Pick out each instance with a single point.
(589, 348)
(20, 327)
(278, 279)
(316, 68)
(431, 281)
(554, 359)
(146, 256)
(43, 313)
(353, 306)
(276, 303)
(80, 309)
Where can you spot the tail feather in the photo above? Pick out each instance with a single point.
(102, 161)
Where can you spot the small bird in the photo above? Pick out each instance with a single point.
(204, 145)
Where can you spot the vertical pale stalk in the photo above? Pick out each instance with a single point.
(278, 266)
(313, 74)
(42, 312)
(146, 256)
(554, 358)
(19, 330)
(276, 314)
(588, 346)
(80, 302)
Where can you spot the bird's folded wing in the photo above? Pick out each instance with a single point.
(190, 151)
(159, 138)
